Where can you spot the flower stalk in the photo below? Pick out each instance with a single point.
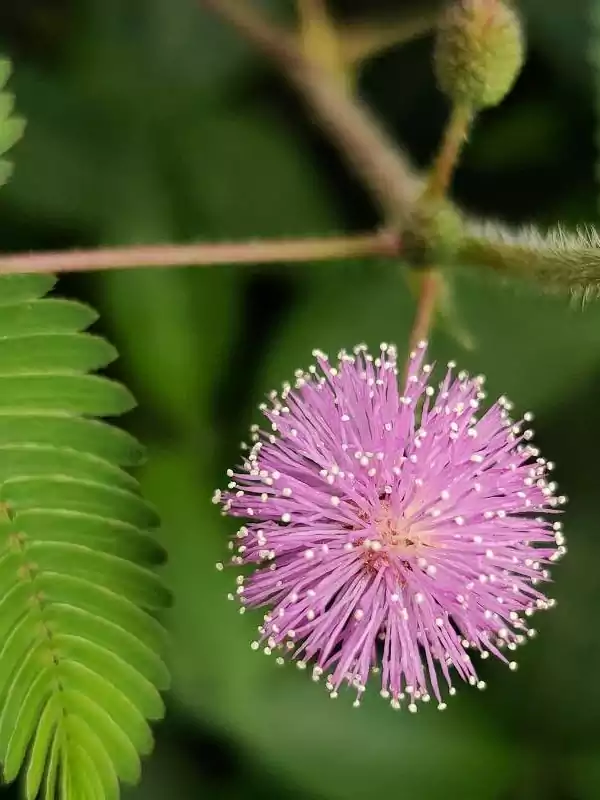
(434, 194)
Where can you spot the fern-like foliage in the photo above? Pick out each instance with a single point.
(80, 652)
(80, 663)
(11, 126)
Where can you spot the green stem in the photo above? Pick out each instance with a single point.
(455, 136)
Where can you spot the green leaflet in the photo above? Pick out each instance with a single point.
(108, 535)
(46, 316)
(11, 127)
(81, 665)
(91, 743)
(42, 742)
(88, 436)
(56, 351)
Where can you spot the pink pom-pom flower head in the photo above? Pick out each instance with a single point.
(392, 533)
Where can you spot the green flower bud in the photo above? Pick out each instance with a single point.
(479, 51)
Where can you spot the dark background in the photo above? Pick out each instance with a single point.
(150, 121)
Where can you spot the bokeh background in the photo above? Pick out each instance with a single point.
(150, 121)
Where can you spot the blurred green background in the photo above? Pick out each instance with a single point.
(150, 121)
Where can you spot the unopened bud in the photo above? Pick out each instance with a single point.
(479, 51)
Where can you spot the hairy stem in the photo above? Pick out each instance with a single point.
(382, 243)
(558, 260)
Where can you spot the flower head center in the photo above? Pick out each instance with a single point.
(395, 532)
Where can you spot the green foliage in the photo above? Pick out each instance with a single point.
(11, 126)
(80, 663)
